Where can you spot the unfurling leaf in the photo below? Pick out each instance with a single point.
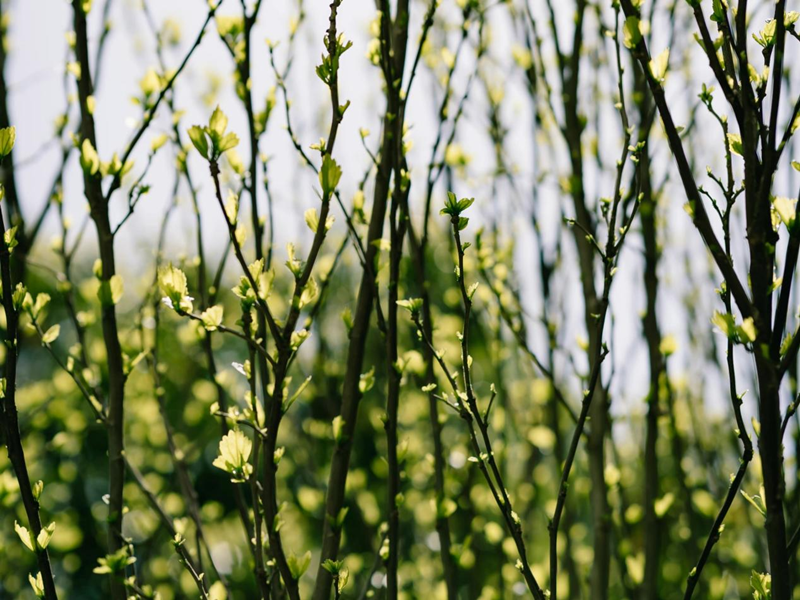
(735, 143)
(43, 539)
(37, 583)
(26, 536)
(631, 32)
(8, 137)
(212, 318)
(234, 452)
(329, 176)
(298, 565)
(659, 64)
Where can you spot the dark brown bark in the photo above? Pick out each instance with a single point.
(116, 378)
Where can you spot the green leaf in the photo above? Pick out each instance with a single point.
(412, 305)
(218, 122)
(114, 563)
(786, 209)
(21, 298)
(173, 284)
(312, 219)
(766, 37)
(747, 331)
(340, 573)
(786, 343)
(309, 293)
(212, 318)
(43, 539)
(631, 32)
(338, 428)
(329, 176)
(344, 576)
(90, 161)
(26, 536)
(718, 9)
(228, 142)
(333, 566)
(41, 302)
(339, 520)
(743, 334)
(756, 502)
(37, 583)
(198, 136)
(232, 207)
(366, 381)
(129, 364)
(111, 290)
(10, 238)
(8, 136)
(762, 586)
(150, 83)
(158, 142)
(659, 64)
(37, 489)
(289, 400)
(735, 143)
(298, 566)
(234, 452)
(229, 26)
(455, 207)
(51, 335)
(297, 338)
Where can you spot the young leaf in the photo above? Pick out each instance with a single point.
(8, 137)
(43, 539)
(312, 219)
(90, 161)
(234, 451)
(762, 586)
(631, 33)
(198, 136)
(298, 565)
(51, 335)
(26, 536)
(735, 143)
(329, 176)
(37, 583)
(212, 318)
(659, 64)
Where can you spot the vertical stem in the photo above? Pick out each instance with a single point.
(439, 463)
(351, 396)
(598, 414)
(652, 334)
(10, 417)
(116, 377)
(7, 175)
